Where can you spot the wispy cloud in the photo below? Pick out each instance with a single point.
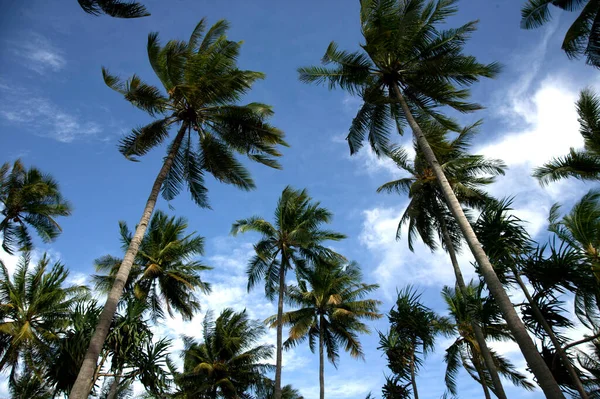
(38, 53)
(40, 115)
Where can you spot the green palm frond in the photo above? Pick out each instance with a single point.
(114, 8)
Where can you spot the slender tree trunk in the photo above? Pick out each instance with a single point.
(582, 341)
(81, 389)
(485, 351)
(481, 375)
(114, 387)
(413, 378)
(557, 346)
(321, 360)
(279, 358)
(533, 358)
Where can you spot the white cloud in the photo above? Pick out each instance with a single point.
(39, 54)
(42, 116)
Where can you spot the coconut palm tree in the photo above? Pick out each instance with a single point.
(228, 362)
(581, 164)
(287, 391)
(296, 239)
(408, 67)
(114, 8)
(465, 349)
(331, 305)
(164, 274)
(582, 38)
(203, 85)
(428, 216)
(35, 308)
(413, 328)
(28, 198)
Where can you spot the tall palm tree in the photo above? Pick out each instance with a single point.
(114, 8)
(35, 308)
(228, 362)
(203, 85)
(28, 198)
(583, 36)
(428, 216)
(409, 67)
(465, 349)
(581, 164)
(331, 305)
(413, 328)
(294, 240)
(164, 274)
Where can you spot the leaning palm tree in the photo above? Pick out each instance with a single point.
(294, 240)
(164, 274)
(35, 308)
(427, 214)
(114, 8)
(583, 36)
(228, 362)
(465, 349)
(581, 164)
(413, 328)
(28, 198)
(410, 67)
(203, 85)
(331, 305)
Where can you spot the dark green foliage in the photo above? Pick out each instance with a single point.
(114, 8)
(28, 198)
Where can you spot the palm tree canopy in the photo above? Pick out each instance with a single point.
(165, 274)
(583, 36)
(583, 164)
(403, 46)
(35, 308)
(203, 85)
(28, 198)
(466, 173)
(296, 234)
(331, 293)
(228, 362)
(114, 8)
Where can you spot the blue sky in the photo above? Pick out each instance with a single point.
(57, 114)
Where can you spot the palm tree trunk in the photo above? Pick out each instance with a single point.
(481, 375)
(413, 378)
(321, 360)
(460, 282)
(557, 346)
(279, 355)
(114, 387)
(81, 389)
(534, 359)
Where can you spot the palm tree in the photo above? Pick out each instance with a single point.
(228, 362)
(114, 8)
(582, 38)
(410, 67)
(465, 349)
(428, 216)
(295, 239)
(28, 198)
(29, 385)
(35, 308)
(268, 388)
(164, 274)
(202, 84)
(331, 306)
(413, 328)
(581, 164)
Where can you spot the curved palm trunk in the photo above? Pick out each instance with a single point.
(321, 360)
(557, 346)
(279, 355)
(485, 351)
(413, 378)
(81, 389)
(114, 387)
(481, 375)
(534, 359)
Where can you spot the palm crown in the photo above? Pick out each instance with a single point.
(114, 8)
(28, 198)
(164, 275)
(202, 82)
(403, 48)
